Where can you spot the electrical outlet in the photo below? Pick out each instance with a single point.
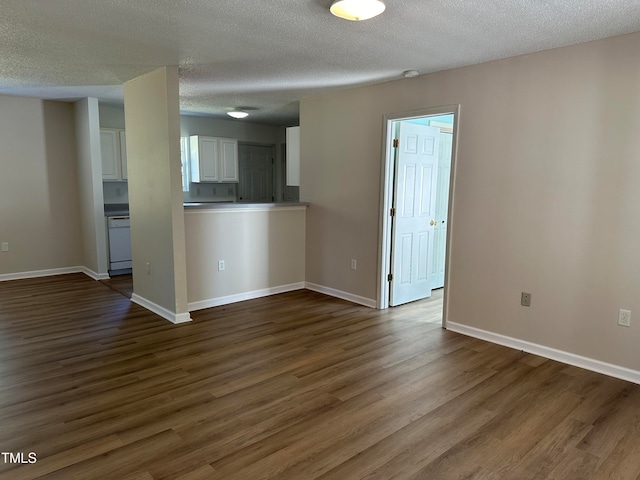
(5, 246)
(197, 191)
(220, 265)
(354, 264)
(231, 191)
(148, 268)
(624, 318)
(525, 299)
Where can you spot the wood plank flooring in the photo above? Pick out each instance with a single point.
(123, 284)
(294, 386)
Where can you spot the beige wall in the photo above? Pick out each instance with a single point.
(155, 192)
(262, 249)
(94, 235)
(546, 197)
(39, 214)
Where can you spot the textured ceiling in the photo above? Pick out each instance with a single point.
(267, 54)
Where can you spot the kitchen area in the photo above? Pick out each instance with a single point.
(240, 185)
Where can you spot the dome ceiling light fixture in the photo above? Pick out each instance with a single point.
(357, 10)
(238, 113)
(410, 73)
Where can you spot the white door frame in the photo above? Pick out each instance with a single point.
(386, 199)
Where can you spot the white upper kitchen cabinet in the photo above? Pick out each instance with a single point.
(108, 152)
(293, 156)
(123, 154)
(113, 153)
(228, 160)
(213, 159)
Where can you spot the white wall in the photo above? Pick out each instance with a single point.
(241, 129)
(115, 192)
(263, 251)
(546, 195)
(111, 116)
(39, 211)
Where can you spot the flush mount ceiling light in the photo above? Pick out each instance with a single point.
(238, 114)
(357, 9)
(410, 73)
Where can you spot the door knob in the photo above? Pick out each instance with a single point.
(432, 223)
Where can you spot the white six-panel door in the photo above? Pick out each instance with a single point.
(414, 220)
(442, 205)
(256, 174)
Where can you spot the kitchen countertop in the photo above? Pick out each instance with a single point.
(241, 205)
(122, 209)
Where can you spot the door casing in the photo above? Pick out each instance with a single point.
(386, 199)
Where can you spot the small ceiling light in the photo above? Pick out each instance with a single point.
(410, 73)
(238, 114)
(357, 9)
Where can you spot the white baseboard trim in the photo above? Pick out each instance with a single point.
(240, 297)
(158, 310)
(350, 297)
(51, 272)
(96, 276)
(609, 369)
(40, 273)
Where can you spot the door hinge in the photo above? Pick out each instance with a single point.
(390, 277)
(396, 142)
(392, 212)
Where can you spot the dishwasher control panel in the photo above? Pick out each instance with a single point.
(118, 222)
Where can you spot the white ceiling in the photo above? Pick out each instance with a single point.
(267, 54)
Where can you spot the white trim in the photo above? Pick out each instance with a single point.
(158, 310)
(5, 277)
(350, 297)
(386, 187)
(444, 127)
(40, 273)
(548, 352)
(96, 276)
(240, 297)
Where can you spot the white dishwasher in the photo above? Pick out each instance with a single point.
(119, 244)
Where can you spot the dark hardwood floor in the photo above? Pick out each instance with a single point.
(123, 284)
(294, 386)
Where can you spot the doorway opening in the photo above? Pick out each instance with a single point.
(418, 170)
